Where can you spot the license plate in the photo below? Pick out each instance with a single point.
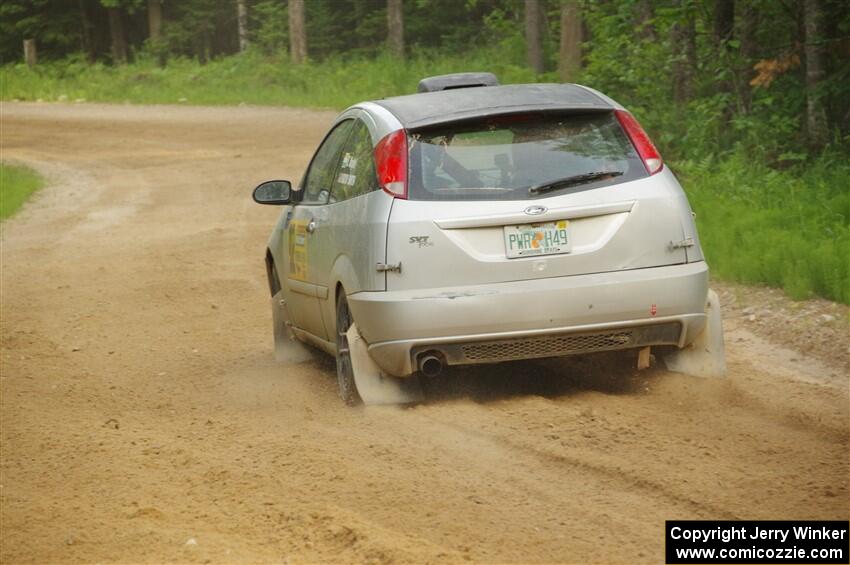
(537, 239)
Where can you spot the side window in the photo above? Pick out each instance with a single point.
(356, 174)
(317, 184)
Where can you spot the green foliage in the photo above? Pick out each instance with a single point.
(504, 26)
(191, 29)
(16, 184)
(130, 5)
(789, 228)
(724, 115)
(771, 209)
(768, 211)
(270, 28)
(56, 33)
(251, 78)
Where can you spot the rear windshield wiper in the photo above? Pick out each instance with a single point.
(571, 181)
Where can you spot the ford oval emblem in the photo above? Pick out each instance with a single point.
(535, 210)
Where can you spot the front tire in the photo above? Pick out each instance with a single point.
(344, 371)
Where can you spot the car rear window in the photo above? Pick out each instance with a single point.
(501, 158)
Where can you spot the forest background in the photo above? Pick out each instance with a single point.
(748, 100)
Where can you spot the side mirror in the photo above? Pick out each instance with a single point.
(273, 192)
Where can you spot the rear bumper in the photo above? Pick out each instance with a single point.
(534, 318)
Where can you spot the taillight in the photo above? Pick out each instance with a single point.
(391, 163)
(647, 151)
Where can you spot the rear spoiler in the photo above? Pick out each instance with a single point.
(457, 80)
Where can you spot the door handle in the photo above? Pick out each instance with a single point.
(311, 226)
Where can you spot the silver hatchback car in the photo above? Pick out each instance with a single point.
(478, 223)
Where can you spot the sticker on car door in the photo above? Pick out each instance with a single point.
(298, 250)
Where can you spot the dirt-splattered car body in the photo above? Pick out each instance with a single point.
(485, 224)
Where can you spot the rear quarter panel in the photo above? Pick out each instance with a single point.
(358, 237)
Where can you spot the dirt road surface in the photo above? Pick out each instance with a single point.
(145, 420)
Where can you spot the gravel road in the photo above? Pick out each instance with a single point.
(144, 418)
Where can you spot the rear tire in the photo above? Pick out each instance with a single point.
(344, 371)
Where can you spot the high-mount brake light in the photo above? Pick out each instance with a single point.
(644, 146)
(391, 163)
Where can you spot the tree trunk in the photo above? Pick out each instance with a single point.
(724, 20)
(297, 32)
(569, 58)
(86, 42)
(724, 26)
(534, 35)
(30, 57)
(242, 24)
(395, 26)
(155, 20)
(683, 40)
(816, 126)
(749, 25)
(155, 31)
(206, 41)
(200, 48)
(116, 30)
(645, 14)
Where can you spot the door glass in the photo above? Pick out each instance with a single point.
(356, 173)
(317, 184)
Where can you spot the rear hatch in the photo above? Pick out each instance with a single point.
(482, 206)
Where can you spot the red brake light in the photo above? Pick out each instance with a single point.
(391, 163)
(647, 151)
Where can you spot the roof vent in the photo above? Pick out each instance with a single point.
(457, 80)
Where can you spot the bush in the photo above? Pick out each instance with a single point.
(251, 78)
(768, 213)
(781, 228)
(16, 184)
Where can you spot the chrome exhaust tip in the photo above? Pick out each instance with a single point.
(430, 364)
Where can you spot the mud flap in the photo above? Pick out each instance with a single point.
(705, 357)
(287, 349)
(373, 386)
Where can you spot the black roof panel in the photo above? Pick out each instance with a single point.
(429, 108)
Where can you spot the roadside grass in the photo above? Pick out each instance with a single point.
(16, 184)
(250, 78)
(788, 229)
(783, 228)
